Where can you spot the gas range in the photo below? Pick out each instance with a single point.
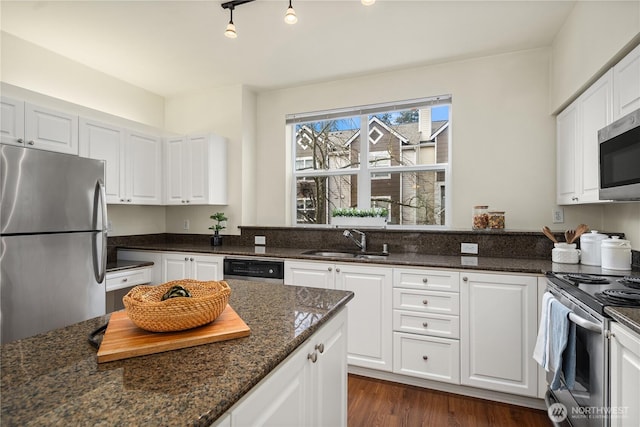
(598, 291)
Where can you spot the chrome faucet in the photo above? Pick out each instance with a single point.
(362, 244)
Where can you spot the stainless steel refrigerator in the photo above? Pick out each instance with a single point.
(53, 219)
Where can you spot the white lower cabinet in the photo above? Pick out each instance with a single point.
(498, 328)
(426, 324)
(625, 376)
(370, 324)
(149, 256)
(183, 265)
(308, 389)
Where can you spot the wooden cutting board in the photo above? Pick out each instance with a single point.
(123, 339)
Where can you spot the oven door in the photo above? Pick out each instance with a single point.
(586, 404)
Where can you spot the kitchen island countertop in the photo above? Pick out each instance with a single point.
(54, 378)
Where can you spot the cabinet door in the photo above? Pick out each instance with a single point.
(144, 169)
(312, 274)
(498, 312)
(175, 171)
(625, 376)
(175, 267)
(566, 140)
(50, 130)
(281, 399)
(206, 267)
(12, 121)
(626, 87)
(596, 112)
(370, 324)
(105, 142)
(197, 182)
(328, 404)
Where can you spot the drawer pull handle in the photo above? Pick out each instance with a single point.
(330, 269)
(425, 302)
(465, 279)
(125, 279)
(425, 280)
(425, 357)
(425, 324)
(190, 259)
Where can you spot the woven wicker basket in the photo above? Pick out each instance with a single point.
(145, 308)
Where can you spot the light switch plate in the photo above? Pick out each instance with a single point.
(469, 248)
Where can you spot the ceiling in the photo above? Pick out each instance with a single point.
(175, 47)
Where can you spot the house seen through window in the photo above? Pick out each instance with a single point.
(407, 150)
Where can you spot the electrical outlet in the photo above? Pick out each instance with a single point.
(260, 240)
(469, 248)
(185, 226)
(557, 215)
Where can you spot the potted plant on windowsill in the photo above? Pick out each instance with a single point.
(353, 217)
(216, 239)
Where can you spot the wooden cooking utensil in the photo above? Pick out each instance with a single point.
(572, 235)
(547, 232)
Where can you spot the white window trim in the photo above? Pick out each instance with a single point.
(363, 173)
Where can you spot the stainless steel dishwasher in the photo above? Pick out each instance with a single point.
(256, 269)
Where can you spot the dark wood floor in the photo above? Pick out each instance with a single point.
(374, 403)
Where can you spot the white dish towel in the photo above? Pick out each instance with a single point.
(541, 350)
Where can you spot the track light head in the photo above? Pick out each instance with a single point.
(290, 17)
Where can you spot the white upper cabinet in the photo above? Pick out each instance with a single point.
(37, 127)
(626, 88)
(196, 170)
(12, 116)
(143, 163)
(105, 142)
(133, 162)
(577, 143)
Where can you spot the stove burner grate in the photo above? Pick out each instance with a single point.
(620, 297)
(586, 279)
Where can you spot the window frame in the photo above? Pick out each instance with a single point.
(365, 173)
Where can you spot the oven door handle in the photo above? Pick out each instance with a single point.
(590, 326)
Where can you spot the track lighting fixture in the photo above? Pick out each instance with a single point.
(290, 17)
(230, 31)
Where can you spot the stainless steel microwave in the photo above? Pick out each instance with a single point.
(620, 159)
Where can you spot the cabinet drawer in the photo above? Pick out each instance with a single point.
(439, 325)
(426, 301)
(434, 280)
(124, 279)
(426, 357)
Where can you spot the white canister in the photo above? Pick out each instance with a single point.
(590, 245)
(616, 254)
(565, 253)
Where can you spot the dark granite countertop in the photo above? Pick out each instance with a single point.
(121, 265)
(54, 378)
(630, 317)
(515, 265)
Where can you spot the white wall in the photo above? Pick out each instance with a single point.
(503, 136)
(592, 38)
(26, 65)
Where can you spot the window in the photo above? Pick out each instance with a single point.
(407, 147)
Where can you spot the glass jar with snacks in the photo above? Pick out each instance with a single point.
(495, 220)
(480, 218)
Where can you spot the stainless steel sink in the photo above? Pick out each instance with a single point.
(340, 254)
(331, 254)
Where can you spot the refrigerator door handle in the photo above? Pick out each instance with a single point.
(99, 198)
